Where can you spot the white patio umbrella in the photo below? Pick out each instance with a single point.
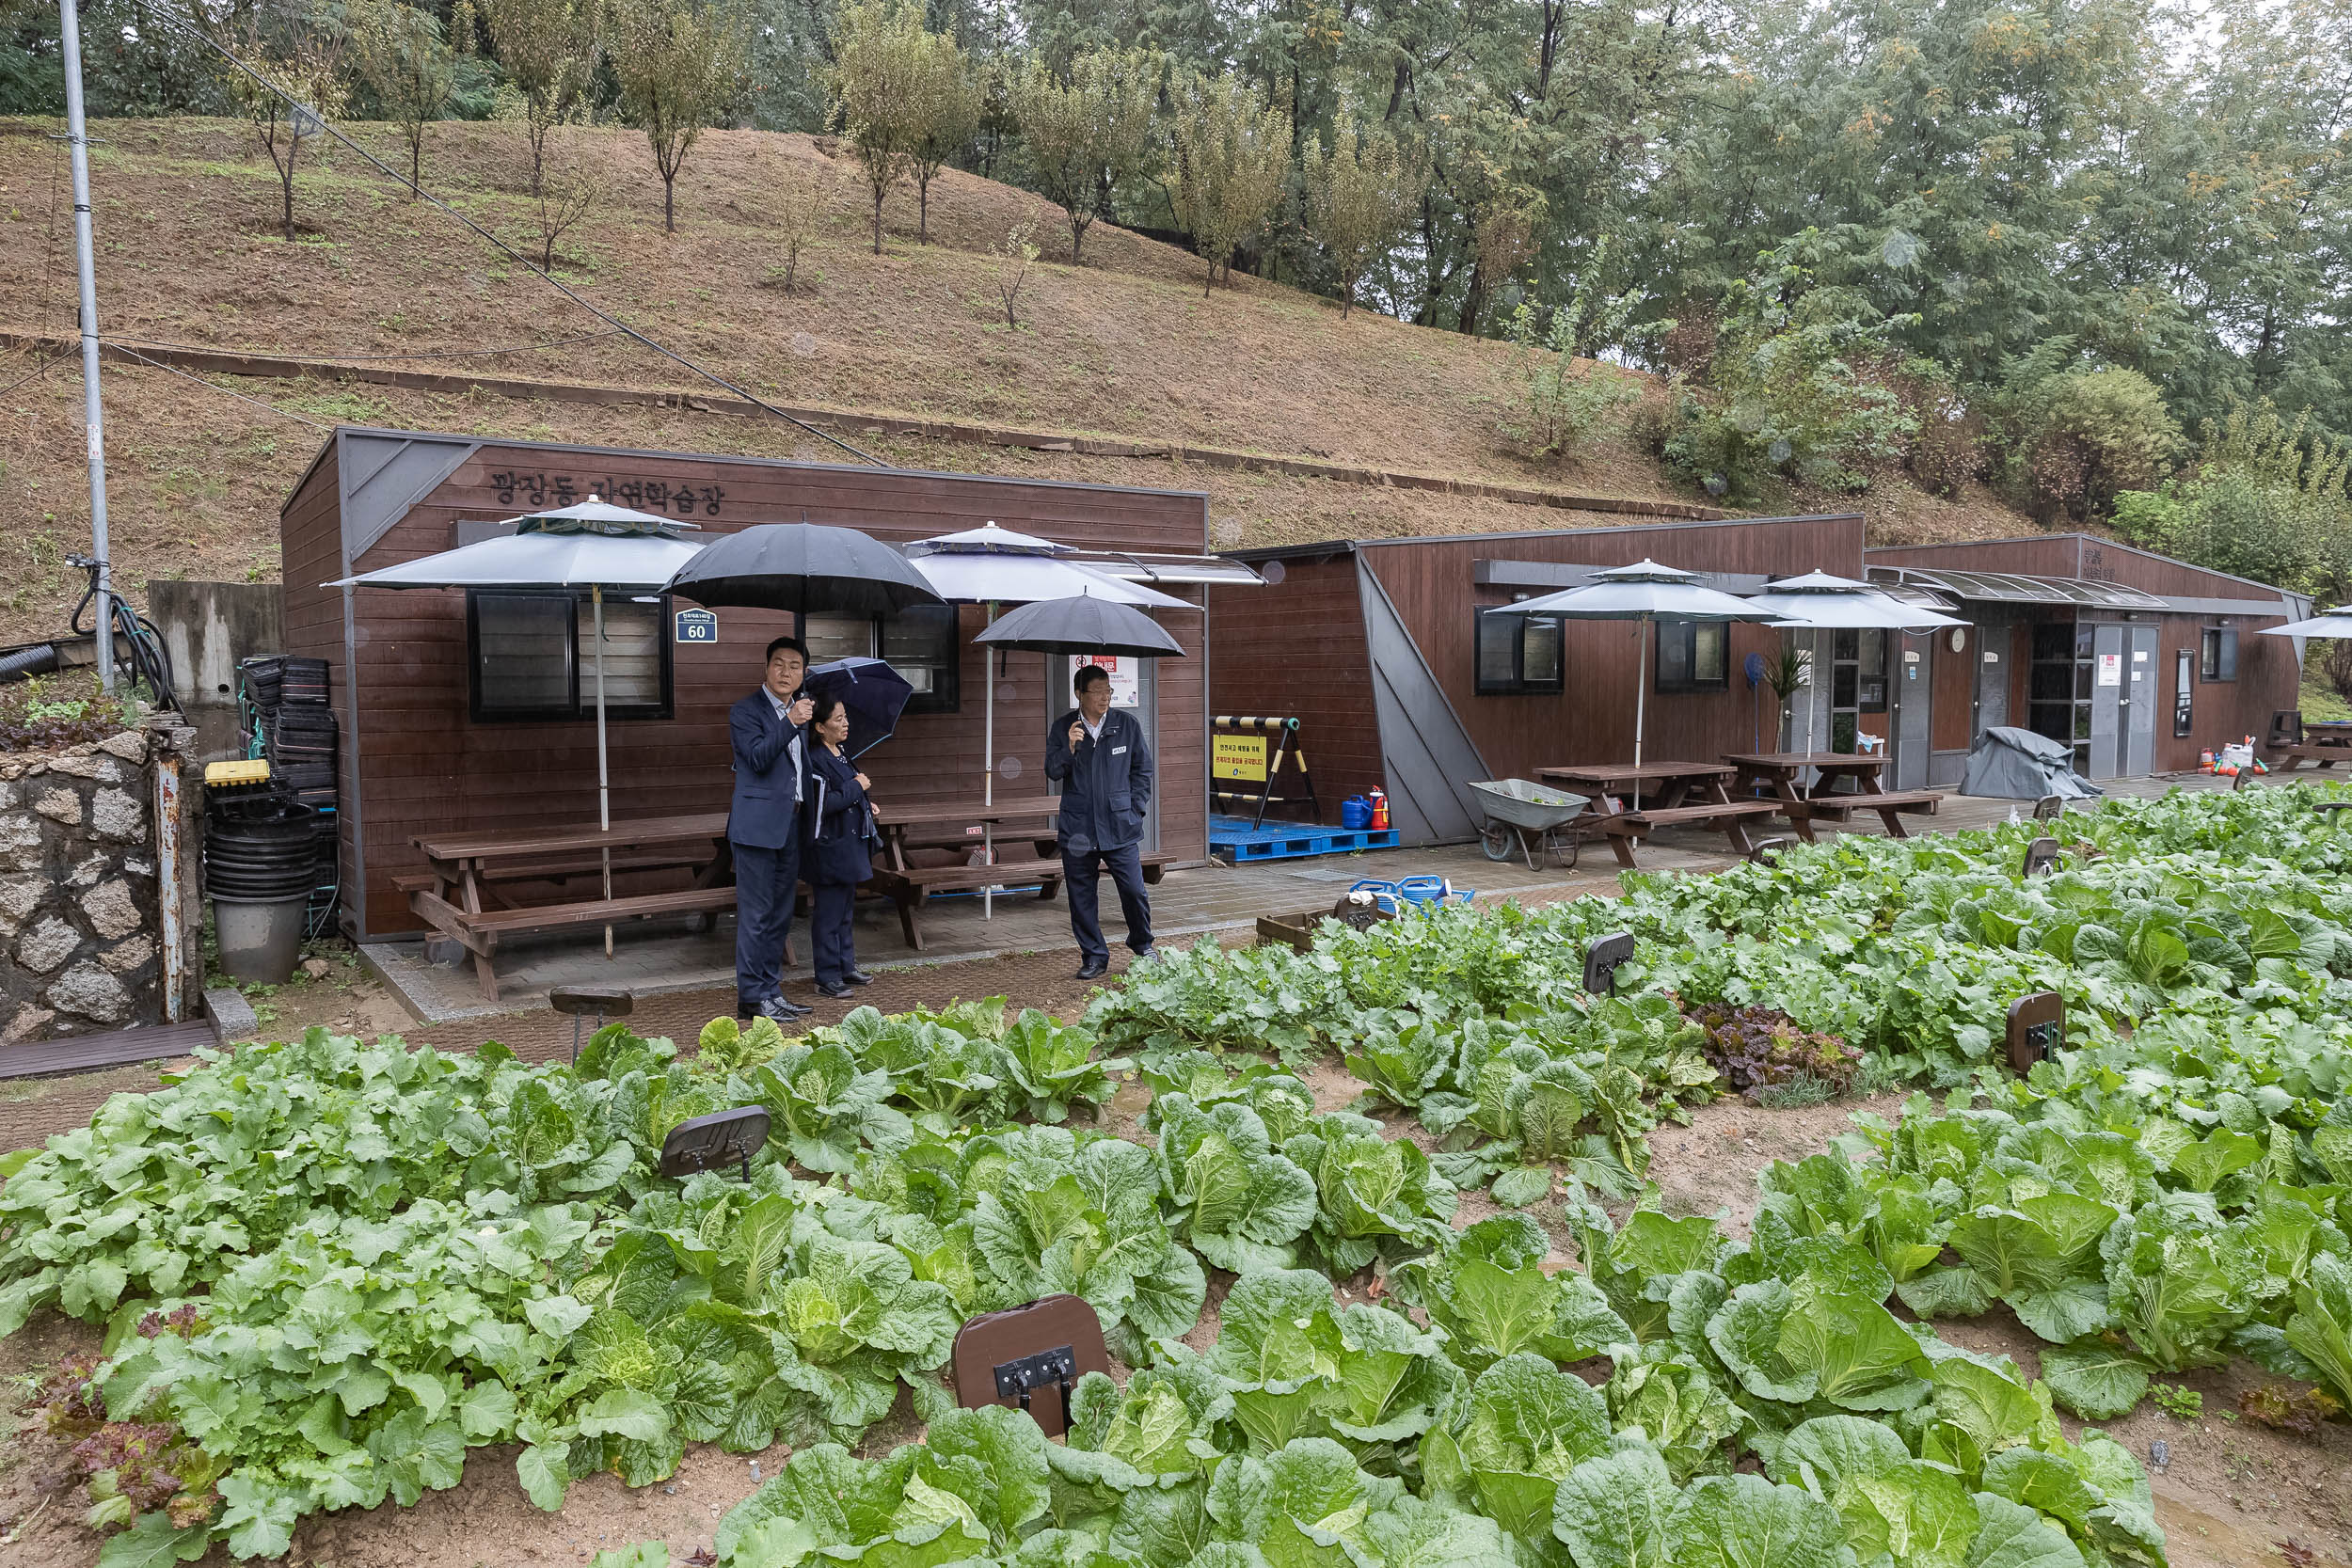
(2333, 622)
(591, 545)
(1642, 593)
(1822, 601)
(991, 565)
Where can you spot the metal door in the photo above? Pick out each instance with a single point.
(2106, 701)
(2140, 693)
(1993, 646)
(1908, 673)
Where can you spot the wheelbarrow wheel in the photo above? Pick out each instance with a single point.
(1495, 838)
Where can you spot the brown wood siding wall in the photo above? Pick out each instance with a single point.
(311, 552)
(2268, 679)
(1297, 649)
(427, 767)
(1430, 581)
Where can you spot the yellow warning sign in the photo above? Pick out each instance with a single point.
(1237, 756)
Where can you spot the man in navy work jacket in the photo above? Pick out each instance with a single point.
(1097, 754)
(769, 730)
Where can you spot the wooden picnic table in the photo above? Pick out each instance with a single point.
(2322, 742)
(1685, 792)
(1783, 772)
(466, 891)
(929, 825)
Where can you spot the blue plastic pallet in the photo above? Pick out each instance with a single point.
(1232, 838)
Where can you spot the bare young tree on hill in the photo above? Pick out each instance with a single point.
(681, 66)
(410, 68)
(1233, 156)
(1090, 135)
(1015, 255)
(877, 81)
(299, 51)
(952, 98)
(802, 198)
(547, 50)
(1360, 196)
(575, 183)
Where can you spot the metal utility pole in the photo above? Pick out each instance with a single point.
(93, 416)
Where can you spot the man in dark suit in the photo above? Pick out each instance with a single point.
(769, 730)
(1096, 752)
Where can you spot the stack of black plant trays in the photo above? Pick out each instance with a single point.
(288, 697)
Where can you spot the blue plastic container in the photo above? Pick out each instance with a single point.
(1355, 814)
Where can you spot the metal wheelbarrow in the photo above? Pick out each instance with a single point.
(1532, 814)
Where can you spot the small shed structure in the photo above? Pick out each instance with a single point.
(467, 711)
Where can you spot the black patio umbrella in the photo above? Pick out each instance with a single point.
(874, 693)
(1081, 624)
(805, 567)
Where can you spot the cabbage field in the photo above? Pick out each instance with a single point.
(326, 1270)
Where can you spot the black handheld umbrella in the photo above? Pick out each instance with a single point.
(805, 567)
(1082, 624)
(874, 693)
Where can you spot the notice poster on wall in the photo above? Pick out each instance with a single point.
(1126, 675)
(2110, 669)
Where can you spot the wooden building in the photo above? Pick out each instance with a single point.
(1379, 648)
(467, 711)
(2141, 662)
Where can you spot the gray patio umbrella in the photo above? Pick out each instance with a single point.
(1820, 601)
(804, 567)
(991, 565)
(592, 544)
(2333, 622)
(1642, 593)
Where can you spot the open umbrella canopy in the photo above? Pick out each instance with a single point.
(987, 539)
(1820, 601)
(636, 557)
(1006, 578)
(1085, 623)
(805, 567)
(595, 516)
(1638, 591)
(874, 693)
(2333, 622)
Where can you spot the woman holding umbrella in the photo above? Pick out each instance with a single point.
(841, 844)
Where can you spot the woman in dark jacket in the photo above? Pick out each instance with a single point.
(840, 850)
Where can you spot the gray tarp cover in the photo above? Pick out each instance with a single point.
(2022, 764)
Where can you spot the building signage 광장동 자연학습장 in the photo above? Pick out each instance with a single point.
(537, 489)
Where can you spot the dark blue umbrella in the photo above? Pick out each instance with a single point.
(874, 693)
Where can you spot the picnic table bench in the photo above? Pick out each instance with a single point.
(1783, 773)
(2322, 743)
(1680, 793)
(467, 895)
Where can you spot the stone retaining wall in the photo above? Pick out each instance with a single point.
(81, 928)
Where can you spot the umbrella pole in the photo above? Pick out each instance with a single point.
(1640, 698)
(604, 801)
(988, 773)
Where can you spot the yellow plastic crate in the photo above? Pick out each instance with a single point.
(253, 772)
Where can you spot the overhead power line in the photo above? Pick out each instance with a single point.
(293, 104)
(209, 385)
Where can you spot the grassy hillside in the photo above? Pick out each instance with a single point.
(1127, 346)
